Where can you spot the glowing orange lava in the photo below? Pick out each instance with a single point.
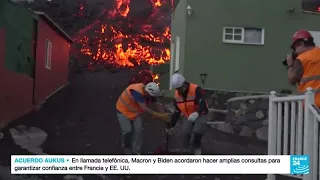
(122, 39)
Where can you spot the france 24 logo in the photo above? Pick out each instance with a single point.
(299, 164)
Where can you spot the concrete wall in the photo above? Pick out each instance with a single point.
(16, 90)
(178, 29)
(49, 80)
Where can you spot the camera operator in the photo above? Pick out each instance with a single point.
(304, 70)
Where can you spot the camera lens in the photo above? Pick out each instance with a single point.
(284, 62)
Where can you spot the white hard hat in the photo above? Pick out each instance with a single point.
(177, 80)
(153, 89)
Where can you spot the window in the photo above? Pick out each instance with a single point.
(48, 54)
(240, 35)
(311, 5)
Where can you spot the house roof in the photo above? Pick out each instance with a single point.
(54, 25)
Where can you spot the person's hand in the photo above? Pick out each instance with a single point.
(289, 60)
(170, 130)
(193, 116)
(163, 116)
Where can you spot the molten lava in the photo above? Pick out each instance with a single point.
(126, 38)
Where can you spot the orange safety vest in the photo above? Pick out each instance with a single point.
(127, 105)
(187, 107)
(311, 72)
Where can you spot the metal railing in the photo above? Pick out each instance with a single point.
(294, 130)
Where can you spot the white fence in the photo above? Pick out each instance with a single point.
(294, 130)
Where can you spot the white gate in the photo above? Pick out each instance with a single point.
(294, 130)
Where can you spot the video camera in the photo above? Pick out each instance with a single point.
(294, 56)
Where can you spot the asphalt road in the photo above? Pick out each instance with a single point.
(81, 119)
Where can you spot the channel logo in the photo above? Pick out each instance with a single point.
(299, 164)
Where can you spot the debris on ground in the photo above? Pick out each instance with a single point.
(30, 138)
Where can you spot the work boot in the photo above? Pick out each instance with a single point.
(197, 144)
(197, 152)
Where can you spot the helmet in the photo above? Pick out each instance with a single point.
(153, 89)
(177, 80)
(145, 76)
(304, 35)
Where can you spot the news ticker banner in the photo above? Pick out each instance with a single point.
(164, 164)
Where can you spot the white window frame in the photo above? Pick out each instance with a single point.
(48, 58)
(177, 51)
(242, 36)
(172, 53)
(306, 11)
(316, 37)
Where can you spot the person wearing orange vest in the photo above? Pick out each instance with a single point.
(304, 70)
(130, 105)
(190, 102)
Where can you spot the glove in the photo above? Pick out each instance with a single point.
(163, 116)
(193, 116)
(169, 128)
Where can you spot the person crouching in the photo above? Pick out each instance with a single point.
(130, 105)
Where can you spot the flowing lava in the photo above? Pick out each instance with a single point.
(122, 37)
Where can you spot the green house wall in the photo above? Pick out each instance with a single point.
(238, 67)
(178, 28)
(2, 3)
(19, 34)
